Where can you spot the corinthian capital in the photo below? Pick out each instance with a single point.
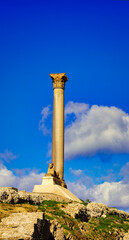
(58, 80)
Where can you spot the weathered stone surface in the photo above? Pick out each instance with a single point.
(56, 230)
(33, 198)
(92, 210)
(77, 210)
(19, 225)
(12, 195)
(120, 213)
(96, 209)
(100, 210)
(30, 226)
(8, 194)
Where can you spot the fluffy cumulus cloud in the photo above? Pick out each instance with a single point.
(96, 129)
(45, 113)
(113, 194)
(79, 189)
(25, 182)
(7, 178)
(76, 108)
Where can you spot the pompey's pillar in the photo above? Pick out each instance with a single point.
(53, 182)
(58, 80)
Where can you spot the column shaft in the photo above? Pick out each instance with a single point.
(58, 132)
(53, 137)
(58, 80)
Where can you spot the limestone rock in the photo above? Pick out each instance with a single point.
(19, 225)
(96, 210)
(77, 210)
(56, 230)
(33, 198)
(100, 210)
(12, 195)
(30, 226)
(120, 213)
(8, 194)
(92, 210)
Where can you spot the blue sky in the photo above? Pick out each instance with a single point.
(89, 40)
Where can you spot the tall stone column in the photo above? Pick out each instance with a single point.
(53, 182)
(59, 80)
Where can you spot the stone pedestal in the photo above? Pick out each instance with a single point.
(49, 185)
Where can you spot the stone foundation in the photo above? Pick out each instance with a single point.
(49, 185)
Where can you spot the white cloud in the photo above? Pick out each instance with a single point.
(7, 156)
(109, 177)
(124, 172)
(7, 178)
(114, 194)
(77, 172)
(78, 189)
(98, 129)
(45, 113)
(76, 108)
(26, 182)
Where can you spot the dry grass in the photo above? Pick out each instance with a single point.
(6, 209)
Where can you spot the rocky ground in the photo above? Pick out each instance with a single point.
(37, 216)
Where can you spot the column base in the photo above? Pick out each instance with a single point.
(53, 185)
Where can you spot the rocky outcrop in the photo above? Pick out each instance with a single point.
(77, 210)
(100, 210)
(30, 226)
(19, 225)
(92, 210)
(8, 194)
(96, 210)
(56, 230)
(94, 220)
(12, 195)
